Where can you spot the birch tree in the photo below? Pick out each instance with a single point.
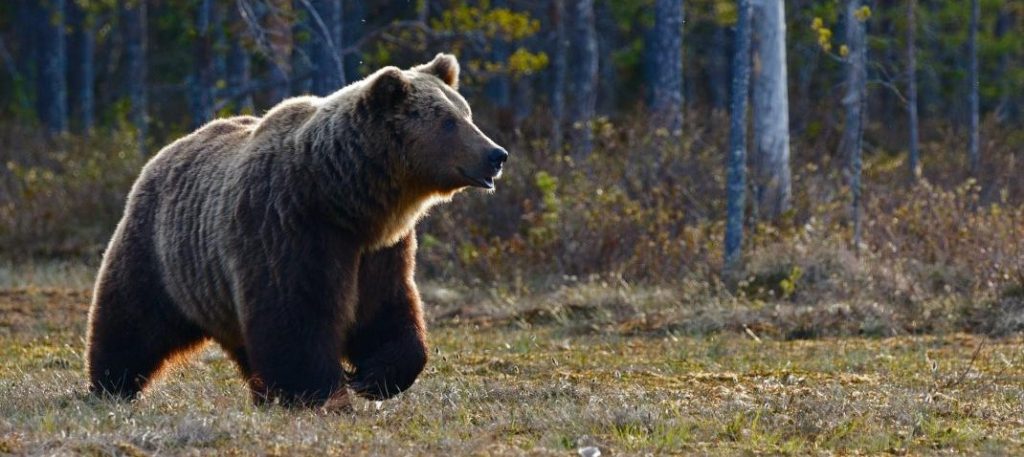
(854, 101)
(736, 173)
(771, 173)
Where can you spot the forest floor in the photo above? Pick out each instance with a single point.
(509, 387)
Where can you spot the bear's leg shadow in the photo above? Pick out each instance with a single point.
(294, 332)
(388, 346)
(134, 326)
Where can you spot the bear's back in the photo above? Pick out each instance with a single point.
(188, 212)
(197, 182)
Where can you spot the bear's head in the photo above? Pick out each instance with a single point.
(444, 151)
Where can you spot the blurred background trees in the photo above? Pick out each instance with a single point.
(617, 114)
(98, 62)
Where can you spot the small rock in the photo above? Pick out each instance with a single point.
(589, 451)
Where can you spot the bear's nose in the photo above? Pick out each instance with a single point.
(497, 156)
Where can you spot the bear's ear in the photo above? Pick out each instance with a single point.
(445, 67)
(389, 88)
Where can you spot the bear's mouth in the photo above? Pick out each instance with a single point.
(486, 183)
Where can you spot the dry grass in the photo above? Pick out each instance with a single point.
(513, 379)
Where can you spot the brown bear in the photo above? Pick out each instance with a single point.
(289, 240)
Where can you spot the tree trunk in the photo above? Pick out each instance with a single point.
(133, 26)
(583, 81)
(771, 174)
(559, 56)
(239, 62)
(854, 102)
(1007, 109)
(915, 161)
(83, 72)
(667, 80)
(352, 32)
(330, 70)
(51, 90)
(736, 173)
(973, 152)
(201, 82)
(607, 40)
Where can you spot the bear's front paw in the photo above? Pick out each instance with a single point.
(378, 380)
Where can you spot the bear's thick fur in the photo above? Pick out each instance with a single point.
(289, 240)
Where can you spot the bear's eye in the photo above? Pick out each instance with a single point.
(449, 125)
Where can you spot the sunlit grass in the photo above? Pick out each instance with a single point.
(512, 387)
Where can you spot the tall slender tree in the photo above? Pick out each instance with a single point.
(667, 52)
(771, 173)
(133, 27)
(51, 89)
(1006, 24)
(736, 165)
(82, 43)
(915, 161)
(201, 82)
(854, 101)
(559, 57)
(974, 154)
(583, 80)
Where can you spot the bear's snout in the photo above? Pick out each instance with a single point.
(486, 170)
(497, 157)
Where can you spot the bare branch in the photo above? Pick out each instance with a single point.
(335, 55)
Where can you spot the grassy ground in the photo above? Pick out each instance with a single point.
(525, 386)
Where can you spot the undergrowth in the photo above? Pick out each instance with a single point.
(646, 212)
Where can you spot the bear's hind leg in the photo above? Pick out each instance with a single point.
(134, 328)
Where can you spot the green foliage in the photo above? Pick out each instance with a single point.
(482, 24)
(824, 34)
(524, 62)
(546, 226)
(500, 23)
(67, 203)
